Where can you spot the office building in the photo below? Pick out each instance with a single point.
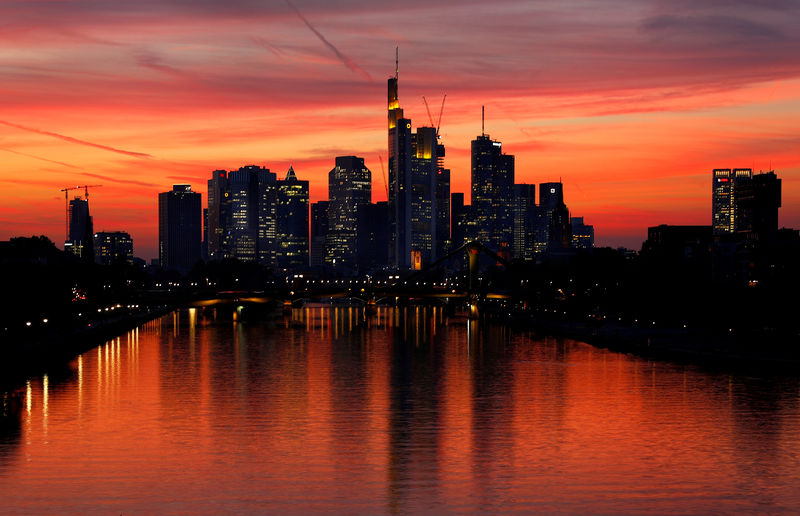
(524, 217)
(292, 222)
(217, 239)
(349, 186)
(319, 233)
(373, 239)
(113, 247)
(493, 193)
(179, 228)
(582, 234)
(80, 242)
(459, 220)
(757, 203)
(723, 200)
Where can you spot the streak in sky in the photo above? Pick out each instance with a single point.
(76, 140)
(40, 158)
(349, 63)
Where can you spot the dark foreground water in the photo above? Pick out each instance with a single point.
(404, 412)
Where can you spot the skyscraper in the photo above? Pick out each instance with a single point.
(723, 200)
(80, 242)
(319, 233)
(459, 219)
(493, 192)
(400, 149)
(373, 239)
(554, 221)
(179, 228)
(757, 204)
(524, 216)
(218, 211)
(349, 186)
(292, 222)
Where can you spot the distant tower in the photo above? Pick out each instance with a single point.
(292, 222)
(400, 179)
(179, 228)
(80, 242)
(723, 198)
(492, 192)
(349, 187)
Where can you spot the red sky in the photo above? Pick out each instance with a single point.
(631, 103)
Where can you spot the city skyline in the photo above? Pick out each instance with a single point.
(225, 86)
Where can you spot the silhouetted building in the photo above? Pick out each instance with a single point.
(319, 233)
(292, 222)
(582, 234)
(400, 179)
(524, 218)
(349, 186)
(443, 242)
(218, 211)
(373, 239)
(723, 203)
(492, 192)
(459, 220)
(757, 204)
(111, 247)
(80, 241)
(553, 228)
(179, 228)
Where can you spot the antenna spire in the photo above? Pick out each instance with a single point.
(396, 62)
(483, 111)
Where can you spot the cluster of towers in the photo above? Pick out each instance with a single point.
(253, 216)
(104, 247)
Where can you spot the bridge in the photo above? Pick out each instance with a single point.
(413, 288)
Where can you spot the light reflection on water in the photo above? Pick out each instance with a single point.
(403, 411)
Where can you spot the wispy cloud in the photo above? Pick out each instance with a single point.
(40, 158)
(117, 180)
(349, 63)
(76, 140)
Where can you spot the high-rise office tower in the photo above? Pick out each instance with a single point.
(80, 242)
(218, 210)
(113, 247)
(373, 239)
(267, 226)
(292, 222)
(319, 233)
(552, 230)
(723, 198)
(493, 192)
(430, 185)
(179, 228)
(459, 219)
(524, 216)
(757, 204)
(349, 186)
(400, 179)
(582, 234)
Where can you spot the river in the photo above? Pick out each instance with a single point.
(406, 411)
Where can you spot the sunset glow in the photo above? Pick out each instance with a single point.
(631, 104)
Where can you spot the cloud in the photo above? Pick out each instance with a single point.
(76, 140)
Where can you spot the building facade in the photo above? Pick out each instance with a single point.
(113, 247)
(292, 222)
(179, 228)
(349, 187)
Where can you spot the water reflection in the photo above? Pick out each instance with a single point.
(404, 410)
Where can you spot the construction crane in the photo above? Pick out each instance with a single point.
(383, 171)
(430, 117)
(66, 202)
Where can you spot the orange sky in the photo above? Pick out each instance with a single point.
(631, 104)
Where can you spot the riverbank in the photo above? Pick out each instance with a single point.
(762, 349)
(53, 349)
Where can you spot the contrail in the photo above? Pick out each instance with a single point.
(115, 180)
(343, 58)
(41, 159)
(75, 140)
